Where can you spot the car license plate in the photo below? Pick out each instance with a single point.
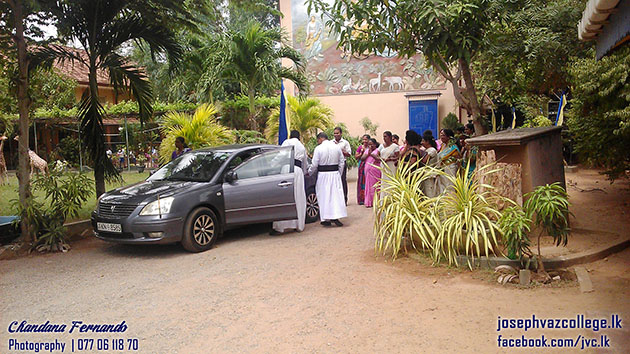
(105, 226)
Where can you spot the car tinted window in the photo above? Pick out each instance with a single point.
(266, 164)
(243, 156)
(192, 166)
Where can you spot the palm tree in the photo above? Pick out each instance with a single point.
(304, 114)
(102, 27)
(252, 56)
(199, 130)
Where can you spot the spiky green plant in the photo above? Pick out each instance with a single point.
(550, 206)
(199, 130)
(306, 115)
(469, 215)
(515, 227)
(404, 211)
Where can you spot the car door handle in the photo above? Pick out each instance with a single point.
(284, 184)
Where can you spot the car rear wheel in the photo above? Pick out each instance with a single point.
(201, 230)
(312, 208)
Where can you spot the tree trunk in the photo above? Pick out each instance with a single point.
(471, 93)
(252, 109)
(465, 95)
(99, 169)
(23, 105)
(99, 180)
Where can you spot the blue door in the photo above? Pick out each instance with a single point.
(423, 115)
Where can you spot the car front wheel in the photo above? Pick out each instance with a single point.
(201, 230)
(312, 208)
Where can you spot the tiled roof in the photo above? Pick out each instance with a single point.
(78, 71)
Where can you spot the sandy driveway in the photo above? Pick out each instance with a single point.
(322, 290)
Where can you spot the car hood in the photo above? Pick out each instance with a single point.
(145, 191)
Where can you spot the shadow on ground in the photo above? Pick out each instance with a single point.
(244, 233)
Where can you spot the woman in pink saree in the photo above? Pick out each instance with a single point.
(372, 172)
(361, 176)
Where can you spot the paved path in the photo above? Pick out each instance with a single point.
(322, 290)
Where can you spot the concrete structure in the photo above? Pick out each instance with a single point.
(537, 150)
(395, 93)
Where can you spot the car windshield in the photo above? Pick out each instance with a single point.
(192, 166)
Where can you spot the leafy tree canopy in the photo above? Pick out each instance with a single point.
(600, 112)
(526, 53)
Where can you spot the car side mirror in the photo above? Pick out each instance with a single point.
(231, 176)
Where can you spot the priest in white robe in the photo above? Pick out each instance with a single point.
(328, 161)
(301, 161)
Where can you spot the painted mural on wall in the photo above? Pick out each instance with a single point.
(332, 71)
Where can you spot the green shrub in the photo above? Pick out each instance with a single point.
(515, 226)
(538, 121)
(548, 206)
(469, 217)
(249, 137)
(121, 108)
(307, 115)
(368, 126)
(64, 192)
(451, 122)
(599, 116)
(403, 211)
(463, 221)
(235, 112)
(68, 148)
(198, 130)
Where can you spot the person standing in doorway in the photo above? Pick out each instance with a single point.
(299, 154)
(328, 161)
(346, 150)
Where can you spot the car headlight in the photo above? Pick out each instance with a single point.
(160, 206)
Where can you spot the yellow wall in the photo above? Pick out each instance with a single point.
(388, 110)
(106, 94)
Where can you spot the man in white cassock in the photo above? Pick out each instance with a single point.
(328, 161)
(299, 154)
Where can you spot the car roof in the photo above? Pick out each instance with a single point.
(237, 147)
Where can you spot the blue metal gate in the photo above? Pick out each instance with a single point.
(423, 115)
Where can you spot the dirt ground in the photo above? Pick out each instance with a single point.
(322, 290)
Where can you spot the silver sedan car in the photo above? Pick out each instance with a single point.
(195, 197)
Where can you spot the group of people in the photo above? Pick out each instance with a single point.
(329, 162)
(140, 157)
(449, 152)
